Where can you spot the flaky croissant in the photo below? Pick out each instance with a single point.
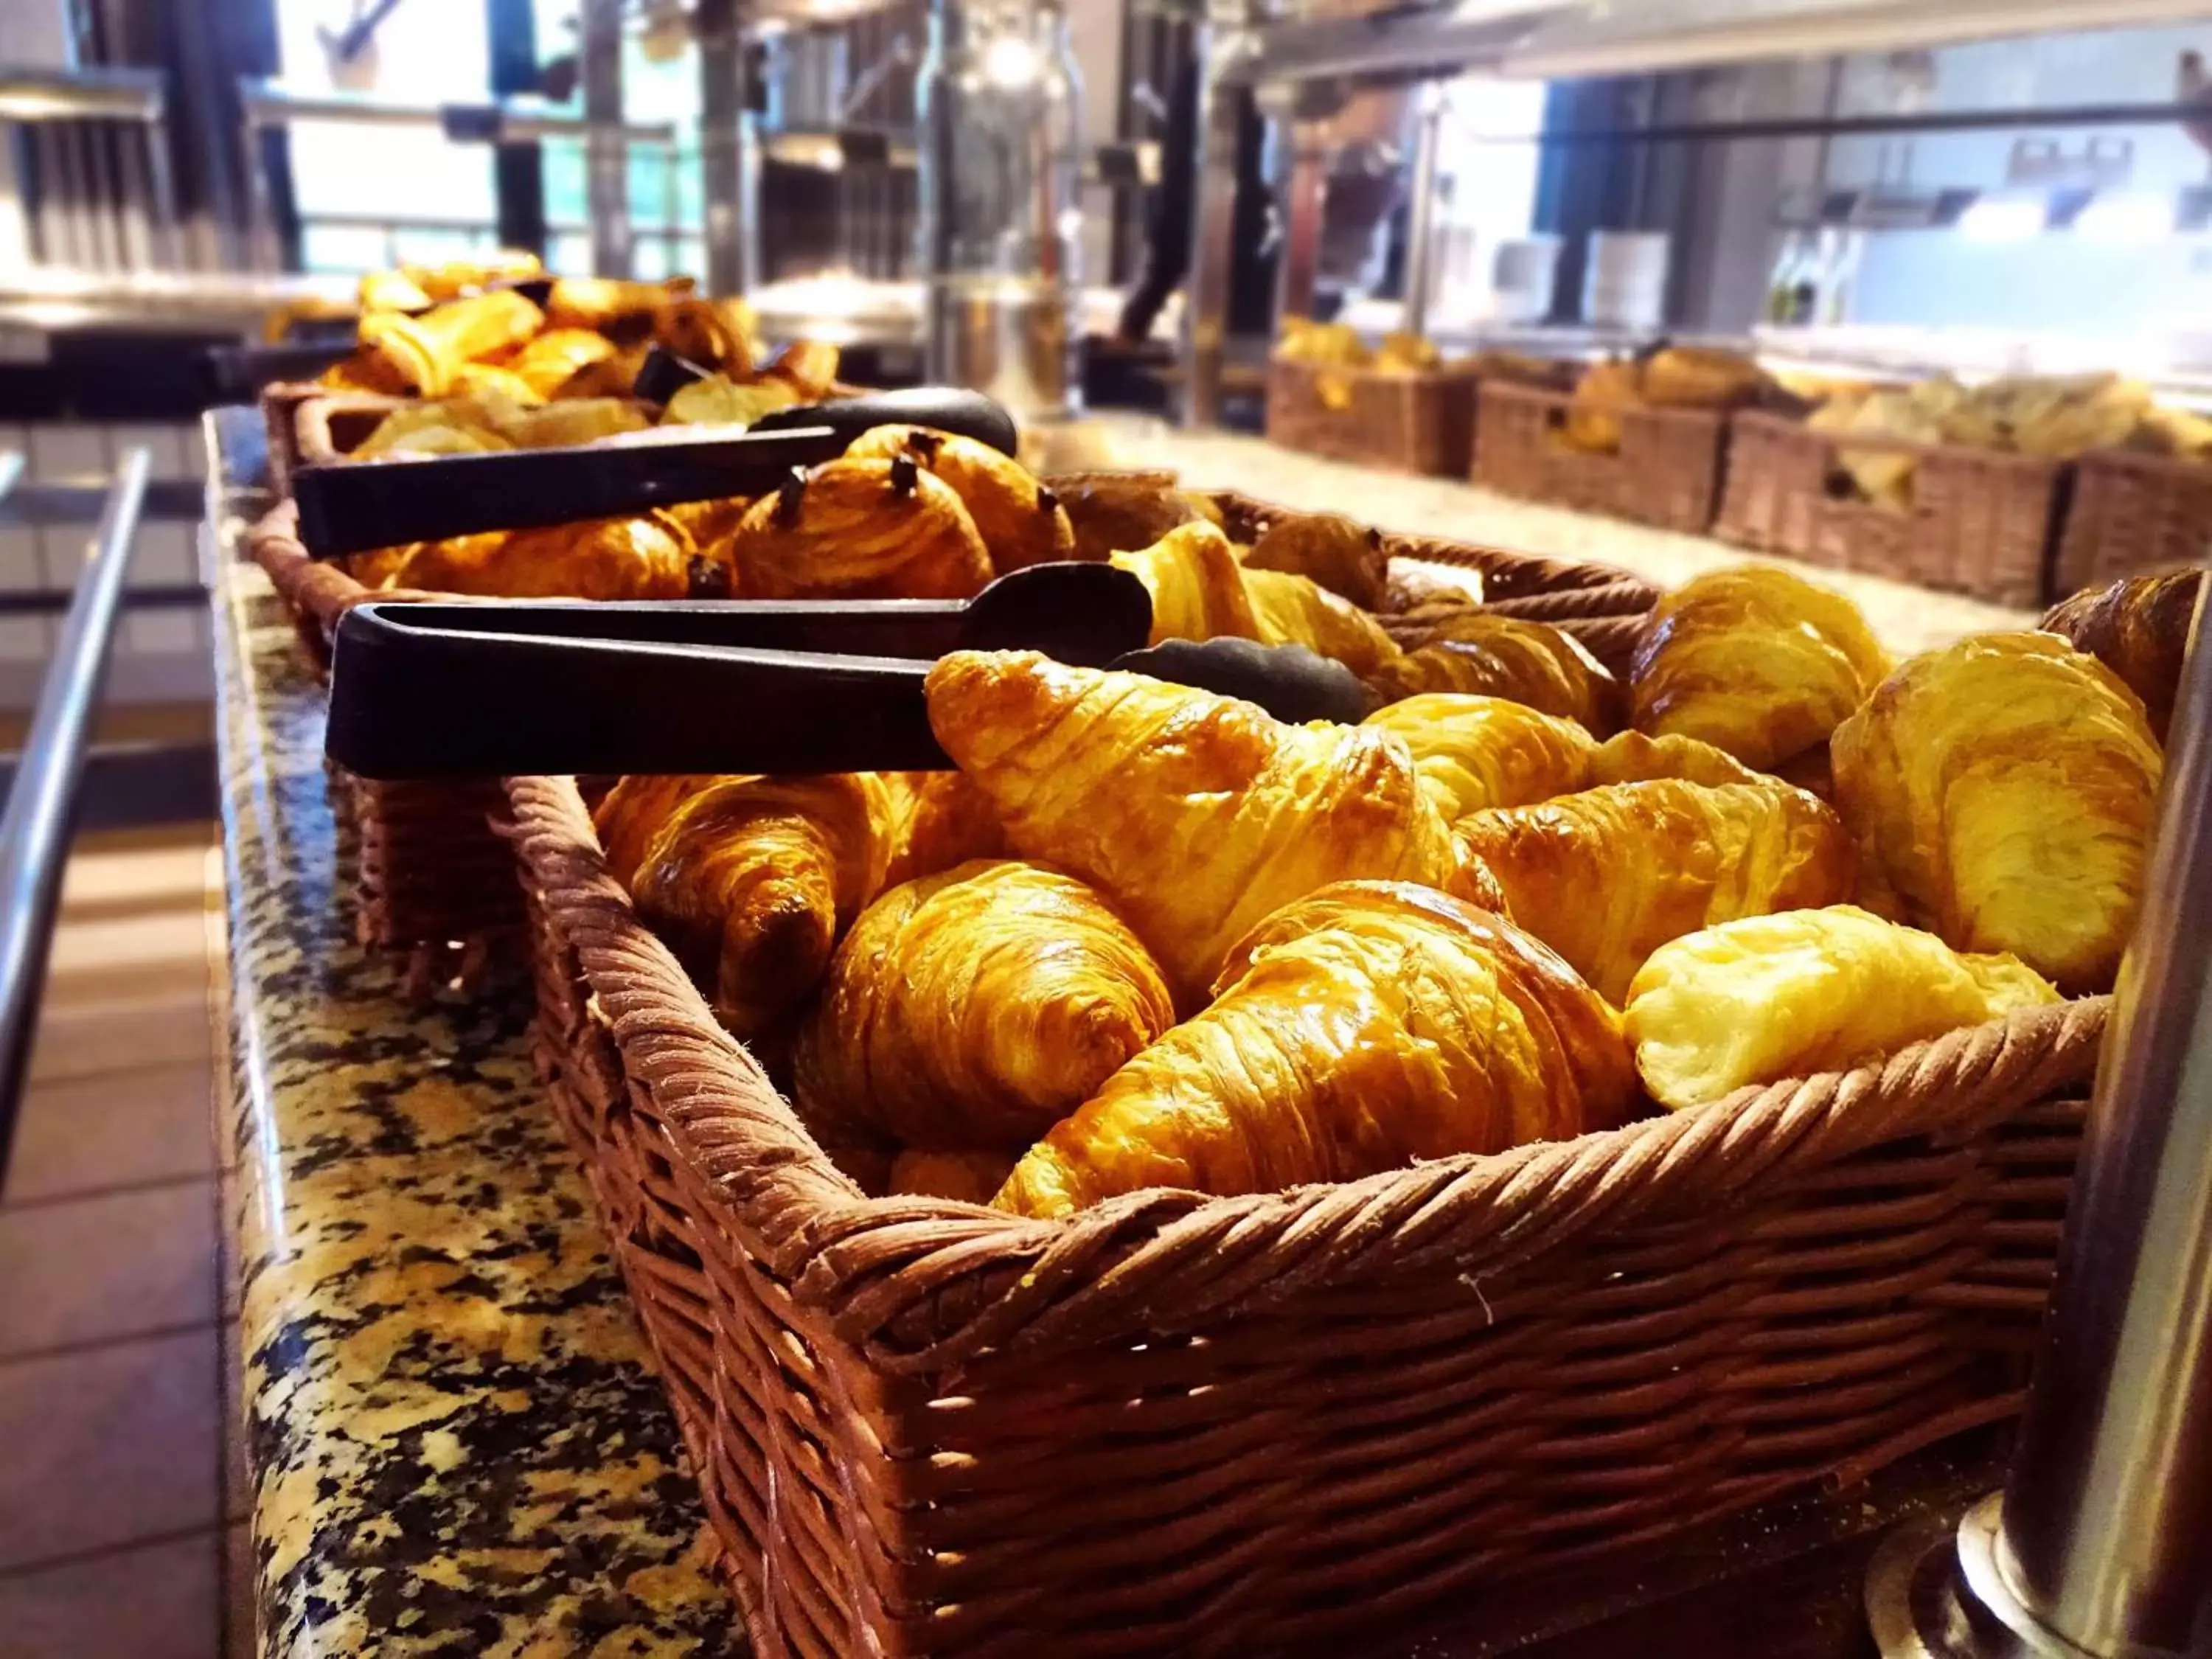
(716, 334)
(644, 557)
(1193, 815)
(1348, 559)
(495, 381)
(1197, 586)
(965, 1177)
(752, 880)
(977, 1008)
(1633, 757)
(2002, 791)
(1480, 654)
(425, 353)
(1764, 997)
(1477, 752)
(1753, 661)
(1606, 877)
(1368, 1025)
(575, 420)
(943, 819)
(1022, 523)
(1292, 610)
(1120, 512)
(631, 814)
(550, 361)
(866, 529)
(608, 305)
(2138, 627)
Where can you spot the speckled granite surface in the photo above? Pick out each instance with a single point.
(458, 1447)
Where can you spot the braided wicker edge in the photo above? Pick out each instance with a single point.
(919, 1285)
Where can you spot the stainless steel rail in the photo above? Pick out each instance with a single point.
(34, 832)
(87, 95)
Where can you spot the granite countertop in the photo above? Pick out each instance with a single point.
(457, 1443)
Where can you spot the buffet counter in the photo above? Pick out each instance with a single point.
(457, 1443)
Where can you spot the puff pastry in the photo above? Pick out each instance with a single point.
(1606, 877)
(425, 353)
(1475, 752)
(496, 383)
(1368, 1025)
(944, 819)
(575, 420)
(1480, 654)
(752, 880)
(550, 361)
(1118, 513)
(1348, 559)
(1197, 586)
(1633, 757)
(716, 334)
(1753, 661)
(865, 529)
(977, 1008)
(1022, 523)
(964, 1177)
(606, 304)
(1193, 815)
(1764, 997)
(631, 814)
(2138, 627)
(1296, 610)
(2002, 791)
(720, 401)
(646, 557)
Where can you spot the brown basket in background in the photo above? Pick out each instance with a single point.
(1293, 1422)
(1982, 521)
(2130, 514)
(1421, 422)
(1667, 473)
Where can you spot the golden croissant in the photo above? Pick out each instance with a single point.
(1606, 877)
(1755, 661)
(966, 1177)
(752, 880)
(1022, 523)
(646, 557)
(574, 420)
(977, 1008)
(1296, 610)
(1369, 1024)
(550, 361)
(1347, 558)
(2002, 791)
(631, 814)
(1197, 586)
(862, 529)
(1477, 752)
(425, 353)
(944, 819)
(1633, 757)
(495, 382)
(1193, 815)
(1764, 997)
(1121, 512)
(716, 334)
(2138, 627)
(607, 304)
(1492, 656)
(720, 401)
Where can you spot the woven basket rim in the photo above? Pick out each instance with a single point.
(1971, 454)
(1514, 392)
(1368, 372)
(920, 1284)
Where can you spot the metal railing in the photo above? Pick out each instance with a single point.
(35, 831)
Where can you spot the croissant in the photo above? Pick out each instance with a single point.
(1022, 523)
(964, 1177)
(646, 557)
(606, 304)
(574, 420)
(1763, 998)
(1349, 559)
(978, 1007)
(1484, 655)
(454, 426)
(549, 362)
(425, 353)
(1476, 752)
(1753, 661)
(1193, 815)
(364, 371)
(1120, 513)
(1296, 611)
(391, 290)
(494, 384)
(2138, 627)
(944, 819)
(2002, 791)
(1606, 877)
(720, 401)
(809, 367)
(752, 880)
(631, 814)
(716, 334)
(864, 530)
(1368, 1025)
(1631, 757)
(1197, 586)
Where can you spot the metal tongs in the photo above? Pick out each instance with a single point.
(353, 508)
(450, 690)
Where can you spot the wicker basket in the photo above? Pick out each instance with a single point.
(1375, 418)
(1981, 522)
(2130, 514)
(1293, 1422)
(1667, 473)
(309, 424)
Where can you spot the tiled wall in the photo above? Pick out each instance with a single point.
(161, 655)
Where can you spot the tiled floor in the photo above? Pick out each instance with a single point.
(121, 1505)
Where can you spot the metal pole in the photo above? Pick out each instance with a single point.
(722, 100)
(1212, 254)
(1422, 219)
(34, 832)
(606, 144)
(2101, 1544)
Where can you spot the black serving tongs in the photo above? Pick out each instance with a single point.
(351, 508)
(447, 690)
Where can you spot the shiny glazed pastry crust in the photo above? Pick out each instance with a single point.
(1528, 662)
(1022, 523)
(2138, 627)
(1475, 752)
(977, 1008)
(2002, 791)
(1368, 1025)
(640, 558)
(868, 529)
